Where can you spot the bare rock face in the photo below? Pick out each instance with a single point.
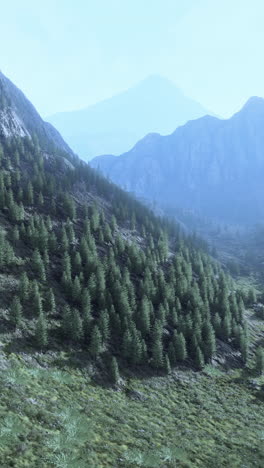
(11, 125)
(18, 117)
(212, 166)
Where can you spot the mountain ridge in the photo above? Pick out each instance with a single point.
(17, 108)
(203, 164)
(115, 124)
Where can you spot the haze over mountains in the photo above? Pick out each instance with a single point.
(116, 124)
(214, 167)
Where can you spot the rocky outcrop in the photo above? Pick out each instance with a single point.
(18, 117)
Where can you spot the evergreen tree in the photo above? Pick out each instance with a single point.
(157, 346)
(16, 312)
(41, 334)
(199, 358)
(38, 266)
(167, 366)
(114, 371)
(66, 322)
(76, 326)
(137, 346)
(86, 303)
(77, 263)
(96, 342)
(36, 298)
(29, 194)
(226, 327)
(172, 354)
(144, 316)
(24, 287)
(127, 344)
(180, 347)
(76, 290)
(15, 235)
(50, 301)
(103, 324)
(259, 366)
(209, 343)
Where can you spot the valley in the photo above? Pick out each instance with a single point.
(123, 341)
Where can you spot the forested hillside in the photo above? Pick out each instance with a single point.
(85, 265)
(108, 315)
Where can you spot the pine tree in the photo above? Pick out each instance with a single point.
(76, 326)
(24, 287)
(144, 316)
(87, 322)
(180, 347)
(66, 269)
(15, 235)
(66, 322)
(77, 263)
(226, 327)
(199, 358)
(167, 366)
(40, 200)
(76, 290)
(259, 366)
(127, 344)
(157, 353)
(172, 354)
(96, 342)
(36, 298)
(217, 325)
(50, 301)
(69, 207)
(65, 244)
(157, 346)
(114, 371)
(38, 266)
(136, 353)
(41, 334)
(103, 324)
(16, 312)
(208, 339)
(86, 302)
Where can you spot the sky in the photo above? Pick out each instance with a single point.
(68, 54)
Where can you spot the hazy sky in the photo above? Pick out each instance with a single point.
(67, 54)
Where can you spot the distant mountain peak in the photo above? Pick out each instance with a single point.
(113, 126)
(212, 166)
(157, 80)
(254, 103)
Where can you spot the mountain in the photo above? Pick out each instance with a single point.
(18, 117)
(92, 267)
(107, 315)
(116, 124)
(89, 263)
(211, 166)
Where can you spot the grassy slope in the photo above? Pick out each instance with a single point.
(61, 418)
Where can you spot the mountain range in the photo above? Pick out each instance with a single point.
(116, 124)
(108, 315)
(211, 166)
